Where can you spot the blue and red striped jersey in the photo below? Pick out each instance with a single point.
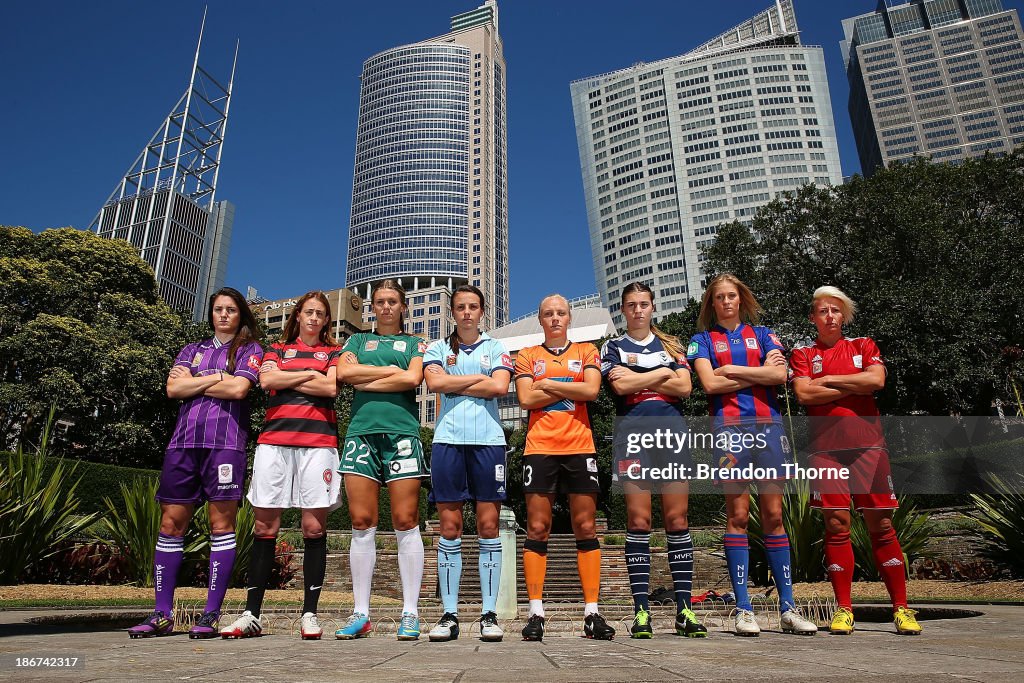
(747, 346)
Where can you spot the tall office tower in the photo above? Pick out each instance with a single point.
(672, 149)
(165, 205)
(938, 77)
(429, 193)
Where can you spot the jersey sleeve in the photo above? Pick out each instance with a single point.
(504, 362)
(678, 362)
(870, 353)
(524, 364)
(417, 347)
(699, 348)
(273, 354)
(334, 357)
(435, 354)
(354, 343)
(590, 357)
(798, 364)
(769, 340)
(247, 361)
(185, 356)
(609, 357)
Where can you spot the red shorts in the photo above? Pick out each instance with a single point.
(868, 486)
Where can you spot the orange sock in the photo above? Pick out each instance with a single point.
(535, 566)
(588, 560)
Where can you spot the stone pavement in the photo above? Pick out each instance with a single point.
(984, 648)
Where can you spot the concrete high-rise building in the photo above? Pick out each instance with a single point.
(429, 193)
(943, 78)
(671, 149)
(165, 205)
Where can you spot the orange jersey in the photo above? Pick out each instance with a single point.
(562, 428)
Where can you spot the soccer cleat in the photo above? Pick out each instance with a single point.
(357, 626)
(687, 625)
(906, 622)
(206, 627)
(794, 622)
(594, 626)
(245, 626)
(409, 627)
(534, 629)
(156, 624)
(489, 629)
(447, 629)
(746, 623)
(842, 622)
(310, 628)
(641, 627)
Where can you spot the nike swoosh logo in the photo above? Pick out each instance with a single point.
(316, 588)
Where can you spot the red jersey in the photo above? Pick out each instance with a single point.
(846, 357)
(294, 418)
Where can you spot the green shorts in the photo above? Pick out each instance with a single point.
(383, 457)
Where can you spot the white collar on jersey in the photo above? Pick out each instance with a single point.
(642, 342)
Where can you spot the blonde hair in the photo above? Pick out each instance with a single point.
(392, 285)
(847, 306)
(750, 310)
(671, 343)
(540, 308)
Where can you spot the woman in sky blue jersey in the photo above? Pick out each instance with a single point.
(740, 365)
(470, 371)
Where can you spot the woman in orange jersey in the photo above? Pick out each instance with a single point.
(554, 381)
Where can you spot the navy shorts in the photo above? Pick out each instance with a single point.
(195, 475)
(466, 472)
(765, 446)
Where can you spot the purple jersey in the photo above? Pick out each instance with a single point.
(207, 422)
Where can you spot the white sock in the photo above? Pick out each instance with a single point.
(410, 566)
(537, 607)
(589, 608)
(362, 557)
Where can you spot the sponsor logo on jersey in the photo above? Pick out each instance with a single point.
(538, 368)
(691, 350)
(224, 473)
(499, 473)
(371, 345)
(253, 363)
(421, 347)
(751, 343)
(328, 475)
(591, 464)
(681, 360)
(405, 466)
(197, 359)
(721, 347)
(398, 346)
(451, 360)
(631, 359)
(290, 353)
(320, 355)
(775, 338)
(858, 361)
(506, 360)
(816, 365)
(575, 365)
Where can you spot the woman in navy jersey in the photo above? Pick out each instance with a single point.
(741, 365)
(205, 459)
(296, 459)
(648, 370)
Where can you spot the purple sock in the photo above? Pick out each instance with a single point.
(166, 562)
(222, 561)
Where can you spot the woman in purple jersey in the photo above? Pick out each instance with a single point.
(205, 459)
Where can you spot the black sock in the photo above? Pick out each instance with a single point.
(314, 568)
(261, 561)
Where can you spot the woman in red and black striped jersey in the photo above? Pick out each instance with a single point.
(297, 457)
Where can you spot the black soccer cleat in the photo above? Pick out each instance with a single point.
(594, 626)
(534, 629)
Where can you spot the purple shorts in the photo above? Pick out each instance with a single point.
(195, 475)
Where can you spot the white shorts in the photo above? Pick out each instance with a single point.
(295, 477)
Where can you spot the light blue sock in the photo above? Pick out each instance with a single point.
(490, 572)
(449, 572)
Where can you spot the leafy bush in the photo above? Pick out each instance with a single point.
(38, 512)
(94, 563)
(1001, 516)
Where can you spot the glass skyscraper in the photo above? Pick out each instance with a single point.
(429, 194)
(672, 149)
(943, 78)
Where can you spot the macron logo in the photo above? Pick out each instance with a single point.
(835, 568)
(894, 562)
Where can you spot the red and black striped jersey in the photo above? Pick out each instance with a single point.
(295, 418)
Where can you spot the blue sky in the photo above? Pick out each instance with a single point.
(85, 85)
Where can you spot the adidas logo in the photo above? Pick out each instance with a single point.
(835, 568)
(894, 562)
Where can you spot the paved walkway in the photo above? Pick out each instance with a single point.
(984, 648)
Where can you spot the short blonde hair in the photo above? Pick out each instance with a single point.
(540, 308)
(847, 305)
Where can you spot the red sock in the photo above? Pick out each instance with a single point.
(839, 566)
(889, 560)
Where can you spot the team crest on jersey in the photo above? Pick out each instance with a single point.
(320, 355)
(371, 345)
(575, 365)
(631, 359)
(664, 357)
(538, 368)
(816, 365)
(751, 343)
(858, 361)
(197, 359)
(485, 362)
(254, 363)
(328, 475)
(451, 360)
(499, 473)
(224, 473)
(591, 464)
(399, 346)
(290, 353)
(721, 347)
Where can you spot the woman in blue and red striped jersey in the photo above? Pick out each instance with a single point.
(297, 458)
(741, 365)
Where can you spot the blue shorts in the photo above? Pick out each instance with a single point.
(465, 472)
(765, 446)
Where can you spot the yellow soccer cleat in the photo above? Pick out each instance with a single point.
(906, 623)
(842, 622)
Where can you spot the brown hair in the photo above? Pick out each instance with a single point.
(670, 342)
(291, 328)
(453, 338)
(393, 285)
(248, 329)
(750, 310)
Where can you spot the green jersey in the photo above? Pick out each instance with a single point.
(374, 412)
